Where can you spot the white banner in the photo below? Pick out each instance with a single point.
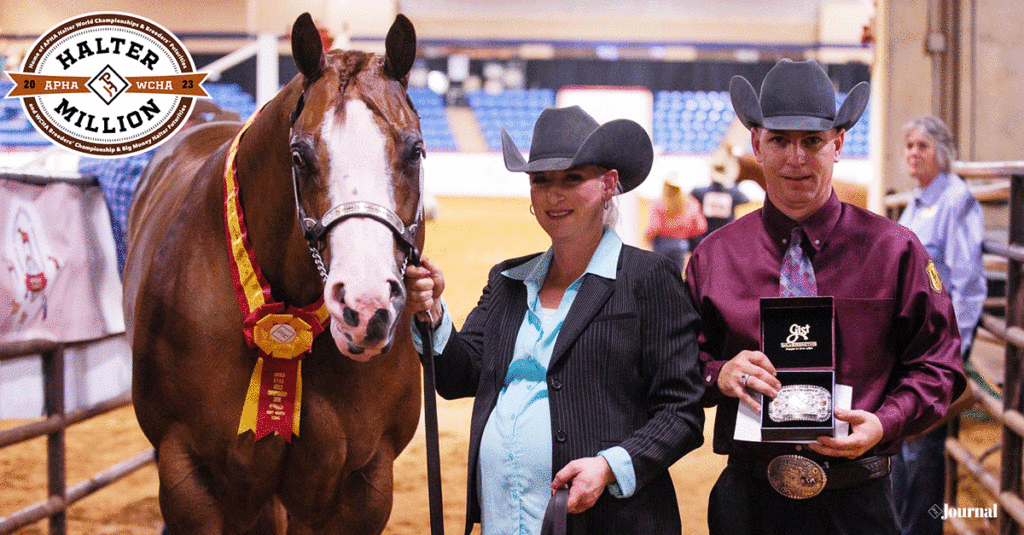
(59, 283)
(59, 278)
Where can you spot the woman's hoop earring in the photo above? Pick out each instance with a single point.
(531, 209)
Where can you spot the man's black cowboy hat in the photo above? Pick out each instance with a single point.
(564, 138)
(796, 95)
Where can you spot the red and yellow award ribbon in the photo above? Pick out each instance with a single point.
(283, 333)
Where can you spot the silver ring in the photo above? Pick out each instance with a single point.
(743, 379)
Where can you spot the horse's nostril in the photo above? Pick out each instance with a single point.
(376, 326)
(339, 292)
(396, 289)
(351, 317)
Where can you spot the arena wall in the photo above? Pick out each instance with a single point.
(990, 75)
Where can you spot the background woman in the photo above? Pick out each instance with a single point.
(582, 359)
(674, 219)
(947, 219)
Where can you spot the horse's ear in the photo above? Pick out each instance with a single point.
(400, 45)
(307, 48)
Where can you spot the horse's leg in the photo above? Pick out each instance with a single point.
(366, 499)
(189, 507)
(185, 501)
(273, 520)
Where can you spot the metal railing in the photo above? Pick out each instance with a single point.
(1005, 487)
(59, 497)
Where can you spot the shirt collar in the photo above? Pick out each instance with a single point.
(930, 195)
(816, 226)
(604, 262)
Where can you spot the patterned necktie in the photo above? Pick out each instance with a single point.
(796, 278)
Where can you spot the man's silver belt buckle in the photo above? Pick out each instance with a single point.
(796, 477)
(801, 402)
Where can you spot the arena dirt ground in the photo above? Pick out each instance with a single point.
(467, 238)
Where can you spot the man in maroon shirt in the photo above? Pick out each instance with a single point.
(896, 339)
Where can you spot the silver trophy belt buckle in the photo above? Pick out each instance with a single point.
(801, 403)
(796, 477)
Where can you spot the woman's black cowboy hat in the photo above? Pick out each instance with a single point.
(564, 138)
(796, 95)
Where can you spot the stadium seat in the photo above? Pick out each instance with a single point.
(516, 111)
(16, 132)
(694, 122)
(437, 133)
(691, 122)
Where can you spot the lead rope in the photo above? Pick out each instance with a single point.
(430, 415)
(429, 395)
(430, 422)
(555, 516)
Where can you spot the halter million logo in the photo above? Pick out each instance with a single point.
(107, 84)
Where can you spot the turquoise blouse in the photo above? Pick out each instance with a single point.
(515, 449)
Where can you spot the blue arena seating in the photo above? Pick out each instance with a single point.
(437, 133)
(231, 96)
(16, 132)
(693, 122)
(685, 122)
(856, 142)
(516, 111)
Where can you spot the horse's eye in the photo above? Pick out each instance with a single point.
(417, 152)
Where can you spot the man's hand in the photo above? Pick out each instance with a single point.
(749, 370)
(424, 285)
(865, 433)
(589, 476)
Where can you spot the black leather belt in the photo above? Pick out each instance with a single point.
(799, 477)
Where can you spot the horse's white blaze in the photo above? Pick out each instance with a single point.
(362, 262)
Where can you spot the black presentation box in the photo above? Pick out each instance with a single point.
(797, 335)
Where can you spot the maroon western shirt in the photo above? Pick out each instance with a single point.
(897, 342)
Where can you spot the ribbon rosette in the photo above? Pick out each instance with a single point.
(274, 398)
(283, 336)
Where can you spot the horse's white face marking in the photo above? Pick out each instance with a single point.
(363, 277)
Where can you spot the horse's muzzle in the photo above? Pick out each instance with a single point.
(363, 326)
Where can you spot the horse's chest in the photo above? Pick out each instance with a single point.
(313, 464)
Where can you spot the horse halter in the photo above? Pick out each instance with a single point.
(315, 231)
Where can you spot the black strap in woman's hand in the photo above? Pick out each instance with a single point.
(556, 513)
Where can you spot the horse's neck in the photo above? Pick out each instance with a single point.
(268, 203)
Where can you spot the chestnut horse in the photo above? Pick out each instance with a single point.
(328, 177)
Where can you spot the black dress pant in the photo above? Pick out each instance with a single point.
(742, 504)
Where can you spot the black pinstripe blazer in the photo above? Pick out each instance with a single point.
(623, 372)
